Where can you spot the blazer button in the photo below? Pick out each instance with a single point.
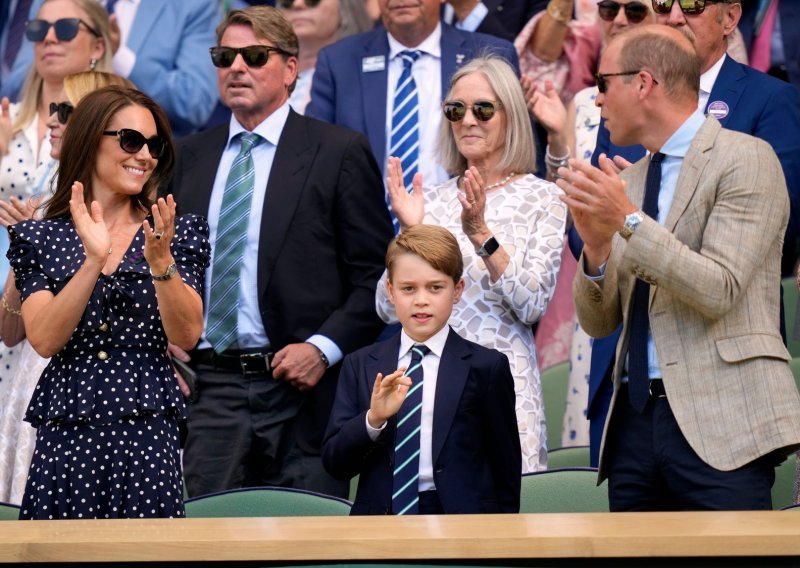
(103, 327)
(439, 469)
(102, 355)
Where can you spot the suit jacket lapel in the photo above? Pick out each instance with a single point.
(374, 93)
(146, 15)
(453, 373)
(200, 162)
(290, 167)
(454, 54)
(727, 88)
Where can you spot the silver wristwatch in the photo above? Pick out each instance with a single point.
(632, 221)
(172, 270)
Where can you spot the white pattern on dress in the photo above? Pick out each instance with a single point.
(528, 220)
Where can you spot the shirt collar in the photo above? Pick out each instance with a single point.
(678, 144)
(435, 343)
(431, 45)
(708, 78)
(269, 129)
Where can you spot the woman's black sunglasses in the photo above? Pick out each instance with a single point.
(62, 110)
(455, 111)
(66, 29)
(691, 7)
(132, 141)
(285, 4)
(635, 12)
(253, 55)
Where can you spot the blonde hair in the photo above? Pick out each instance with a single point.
(31, 95)
(519, 152)
(78, 85)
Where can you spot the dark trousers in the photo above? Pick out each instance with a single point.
(241, 433)
(651, 467)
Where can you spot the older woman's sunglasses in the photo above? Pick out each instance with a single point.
(253, 55)
(62, 111)
(66, 29)
(691, 7)
(635, 12)
(455, 111)
(132, 141)
(286, 4)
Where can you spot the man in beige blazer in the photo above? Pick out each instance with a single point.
(704, 404)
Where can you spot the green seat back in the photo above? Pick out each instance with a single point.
(790, 311)
(783, 488)
(9, 512)
(266, 502)
(577, 456)
(554, 393)
(563, 491)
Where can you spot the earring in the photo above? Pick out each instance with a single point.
(92, 63)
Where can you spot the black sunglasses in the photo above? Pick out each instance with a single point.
(601, 79)
(455, 111)
(62, 110)
(132, 141)
(285, 4)
(66, 29)
(253, 55)
(635, 12)
(691, 7)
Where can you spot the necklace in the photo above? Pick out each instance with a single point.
(503, 181)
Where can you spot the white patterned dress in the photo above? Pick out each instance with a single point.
(528, 220)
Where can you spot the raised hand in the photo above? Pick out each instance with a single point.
(15, 210)
(90, 227)
(5, 126)
(157, 239)
(473, 203)
(409, 208)
(546, 106)
(388, 395)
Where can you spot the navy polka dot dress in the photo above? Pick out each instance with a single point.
(107, 406)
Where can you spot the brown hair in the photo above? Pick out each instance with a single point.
(82, 140)
(674, 66)
(435, 245)
(268, 24)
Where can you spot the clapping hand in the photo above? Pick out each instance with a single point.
(90, 227)
(409, 208)
(5, 126)
(473, 203)
(546, 106)
(158, 238)
(388, 395)
(15, 210)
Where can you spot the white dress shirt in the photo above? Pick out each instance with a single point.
(707, 81)
(125, 59)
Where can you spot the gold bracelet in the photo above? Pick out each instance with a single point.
(8, 308)
(556, 13)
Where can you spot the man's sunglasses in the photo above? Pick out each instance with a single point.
(66, 29)
(286, 4)
(691, 7)
(455, 111)
(601, 79)
(132, 141)
(253, 55)
(635, 12)
(62, 111)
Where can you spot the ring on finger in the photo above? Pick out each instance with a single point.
(159, 235)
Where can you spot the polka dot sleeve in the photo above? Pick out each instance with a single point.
(191, 250)
(24, 253)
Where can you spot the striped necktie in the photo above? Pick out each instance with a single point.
(404, 140)
(223, 311)
(405, 492)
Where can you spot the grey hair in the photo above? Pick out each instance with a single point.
(354, 18)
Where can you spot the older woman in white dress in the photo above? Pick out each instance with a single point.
(509, 223)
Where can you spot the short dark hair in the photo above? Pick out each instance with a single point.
(79, 148)
(435, 245)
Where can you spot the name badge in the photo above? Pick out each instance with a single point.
(718, 109)
(374, 63)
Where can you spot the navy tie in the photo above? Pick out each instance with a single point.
(405, 492)
(638, 376)
(16, 29)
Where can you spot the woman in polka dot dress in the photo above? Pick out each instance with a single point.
(107, 279)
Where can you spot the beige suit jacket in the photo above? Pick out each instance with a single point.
(714, 271)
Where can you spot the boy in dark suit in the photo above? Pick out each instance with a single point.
(426, 418)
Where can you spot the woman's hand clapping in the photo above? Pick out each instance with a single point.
(158, 238)
(90, 227)
(16, 210)
(473, 203)
(409, 208)
(5, 126)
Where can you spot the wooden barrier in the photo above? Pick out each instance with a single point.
(423, 538)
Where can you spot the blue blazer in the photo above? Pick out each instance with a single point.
(170, 39)
(343, 94)
(476, 453)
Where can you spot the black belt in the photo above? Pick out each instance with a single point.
(245, 362)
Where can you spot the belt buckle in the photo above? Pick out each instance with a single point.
(246, 359)
(652, 394)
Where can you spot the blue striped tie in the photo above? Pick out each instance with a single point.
(405, 492)
(223, 311)
(404, 139)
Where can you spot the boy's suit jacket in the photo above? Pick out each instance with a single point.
(476, 454)
(713, 270)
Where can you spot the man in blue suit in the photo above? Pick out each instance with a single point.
(164, 52)
(355, 78)
(500, 18)
(742, 99)
(788, 21)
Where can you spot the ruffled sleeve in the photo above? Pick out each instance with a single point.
(25, 254)
(191, 250)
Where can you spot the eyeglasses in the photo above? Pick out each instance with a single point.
(63, 110)
(286, 4)
(253, 55)
(635, 12)
(66, 29)
(132, 141)
(455, 111)
(691, 7)
(601, 79)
